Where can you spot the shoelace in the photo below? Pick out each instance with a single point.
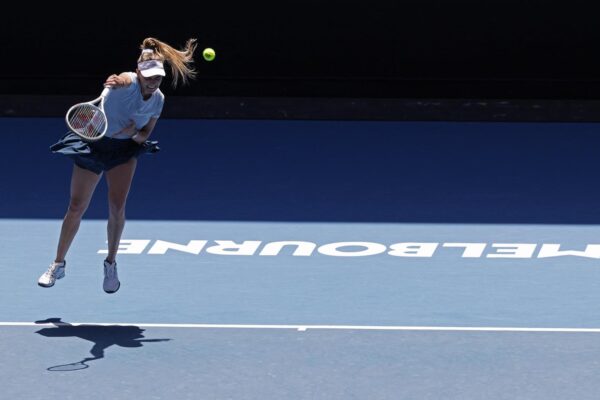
(110, 269)
(52, 269)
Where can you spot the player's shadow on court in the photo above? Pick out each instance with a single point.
(100, 335)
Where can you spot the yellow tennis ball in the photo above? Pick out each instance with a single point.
(208, 54)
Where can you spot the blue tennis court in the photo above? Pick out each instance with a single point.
(267, 259)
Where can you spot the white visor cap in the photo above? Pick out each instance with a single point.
(151, 68)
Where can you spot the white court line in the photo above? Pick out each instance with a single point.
(303, 328)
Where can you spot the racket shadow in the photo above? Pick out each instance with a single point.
(102, 337)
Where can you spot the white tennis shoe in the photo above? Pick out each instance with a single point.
(111, 278)
(54, 272)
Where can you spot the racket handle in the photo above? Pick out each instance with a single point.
(105, 91)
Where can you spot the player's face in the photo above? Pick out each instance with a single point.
(150, 84)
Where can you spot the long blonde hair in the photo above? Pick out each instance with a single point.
(180, 61)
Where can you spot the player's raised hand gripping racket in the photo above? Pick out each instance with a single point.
(88, 119)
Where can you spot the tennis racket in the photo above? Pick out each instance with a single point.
(69, 367)
(88, 119)
(72, 366)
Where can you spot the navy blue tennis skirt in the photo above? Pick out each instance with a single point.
(102, 155)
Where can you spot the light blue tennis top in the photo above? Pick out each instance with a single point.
(123, 105)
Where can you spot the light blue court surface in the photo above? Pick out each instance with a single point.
(312, 260)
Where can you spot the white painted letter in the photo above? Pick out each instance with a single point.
(413, 249)
(472, 250)
(129, 247)
(553, 250)
(302, 248)
(193, 247)
(371, 249)
(513, 250)
(230, 248)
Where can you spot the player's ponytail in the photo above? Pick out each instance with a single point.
(179, 61)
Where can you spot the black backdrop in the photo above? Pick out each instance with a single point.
(328, 48)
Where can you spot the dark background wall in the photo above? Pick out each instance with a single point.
(376, 48)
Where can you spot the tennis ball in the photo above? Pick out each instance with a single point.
(208, 54)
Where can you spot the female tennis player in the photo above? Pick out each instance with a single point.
(132, 107)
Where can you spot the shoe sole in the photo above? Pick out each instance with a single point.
(114, 291)
(47, 286)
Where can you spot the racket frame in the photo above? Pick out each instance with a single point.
(76, 366)
(98, 104)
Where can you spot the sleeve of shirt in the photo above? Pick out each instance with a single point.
(135, 85)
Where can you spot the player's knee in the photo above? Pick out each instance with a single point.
(77, 206)
(117, 209)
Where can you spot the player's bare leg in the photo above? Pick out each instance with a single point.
(83, 184)
(119, 182)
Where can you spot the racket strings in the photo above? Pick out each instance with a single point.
(87, 120)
